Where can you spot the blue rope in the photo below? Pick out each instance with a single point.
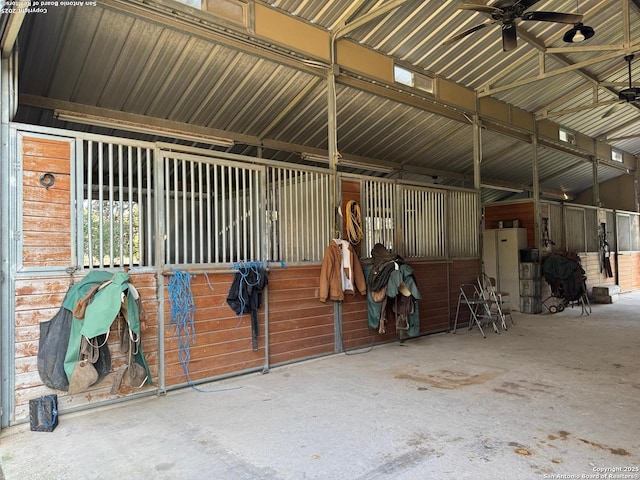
(54, 411)
(244, 269)
(182, 318)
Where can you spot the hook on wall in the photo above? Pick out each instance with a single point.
(47, 180)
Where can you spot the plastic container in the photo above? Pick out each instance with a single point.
(530, 255)
(530, 305)
(531, 288)
(529, 271)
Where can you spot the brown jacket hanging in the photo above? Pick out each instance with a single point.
(331, 286)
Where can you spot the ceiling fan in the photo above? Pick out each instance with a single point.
(505, 13)
(626, 95)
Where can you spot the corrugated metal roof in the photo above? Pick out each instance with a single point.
(107, 58)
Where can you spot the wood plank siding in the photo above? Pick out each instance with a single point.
(38, 299)
(46, 212)
(522, 211)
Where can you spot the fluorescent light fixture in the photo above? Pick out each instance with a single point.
(96, 121)
(314, 157)
(365, 166)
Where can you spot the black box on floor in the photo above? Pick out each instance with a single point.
(530, 255)
(43, 413)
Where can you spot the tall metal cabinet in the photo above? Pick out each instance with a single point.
(501, 257)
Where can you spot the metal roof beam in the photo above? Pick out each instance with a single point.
(559, 71)
(372, 15)
(555, 53)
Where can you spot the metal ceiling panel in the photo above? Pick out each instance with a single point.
(105, 58)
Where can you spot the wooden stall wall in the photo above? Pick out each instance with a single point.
(629, 271)
(46, 211)
(433, 284)
(523, 211)
(356, 332)
(590, 262)
(47, 243)
(300, 326)
(635, 270)
(222, 341)
(37, 300)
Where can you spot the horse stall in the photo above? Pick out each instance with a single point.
(183, 226)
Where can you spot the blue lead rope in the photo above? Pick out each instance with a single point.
(182, 318)
(54, 411)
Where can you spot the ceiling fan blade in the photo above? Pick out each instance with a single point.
(509, 38)
(553, 17)
(489, 10)
(525, 4)
(613, 109)
(457, 37)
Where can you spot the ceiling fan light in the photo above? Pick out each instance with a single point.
(578, 33)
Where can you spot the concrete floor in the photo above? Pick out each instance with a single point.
(557, 396)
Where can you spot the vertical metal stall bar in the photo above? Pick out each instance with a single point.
(120, 206)
(420, 239)
(77, 203)
(216, 210)
(101, 203)
(407, 200)
(165, 161)
(142, 212)
(325, 216)
(296, 189)
(315, 210)
(176, 211)
(322, 201)
(270, 210)
(377, 223)
(421, 232)
(445, 227)
(162, 244)
(130, 194)
(223, 209)
(245, 215)
(192, 210)
(279, 182)
(89, 219)
(421, 207)
(389, 214)
(432, 222)
(201, 213)
(176, 225)
(425, 223)
(111, 249)
(307, 217)
(375, 213)
(149, 159)
(209, 218)
(230, 221)
(237, 219)
(254, 206)
(440, 229)
(368, 215)
(365, 198)
(450, 237)
(185, 238)
(227, 225)
(323, 205)
(289, 216)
